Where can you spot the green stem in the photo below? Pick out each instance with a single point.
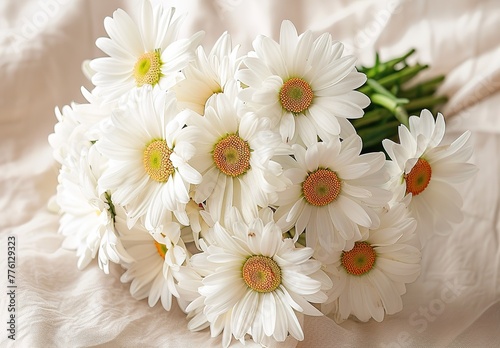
(425, 102)
(381, 69)
(390, 103)
(374, 135)
(370, 117)
(401, 115)
(402, 75)
(424, 88)
(392, 63)
(377, 87)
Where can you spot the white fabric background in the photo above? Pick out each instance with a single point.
(454, 303)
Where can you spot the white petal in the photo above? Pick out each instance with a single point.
(354, 211)
(268, 309)
(243, 313)
(390, 297)
(287, 127)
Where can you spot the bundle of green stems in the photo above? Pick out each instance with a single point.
(394, 97)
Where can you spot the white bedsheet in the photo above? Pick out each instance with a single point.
(454, 303)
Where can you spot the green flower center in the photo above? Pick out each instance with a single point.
(232, 155)
(296, 95)
(261, 273)
(360, 259)
(418, 178)
(147, 69)
(156, 160)
(321, 187)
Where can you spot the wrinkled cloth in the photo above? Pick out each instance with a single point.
(454, 303)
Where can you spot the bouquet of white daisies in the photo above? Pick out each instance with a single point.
(237, 184)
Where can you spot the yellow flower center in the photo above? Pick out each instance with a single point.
(147, 69)
(261, 273)
(232, 155)
(321, 187)
(161, 249)
(418, 178)
(360, 259)
(296, 95)
(157, 161)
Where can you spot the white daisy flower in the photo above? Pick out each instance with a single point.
(141, 52)
(156, 259)
(94, 115)
(233, 152)
(369, 279)
(221, 325)
(334, 192)
(78, 127)
(207, 75)
(425, 171)
(262, 281)
(305, 84)
(88, 216)
(148, 150)
(67, 130)
(190, 280)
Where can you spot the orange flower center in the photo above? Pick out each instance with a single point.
(419, 177)
(360, 259)
(156, 160)
(161, 249)
(261, 273)
(232, 155)
(321, 187)
(147, 69)
(296, 95)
